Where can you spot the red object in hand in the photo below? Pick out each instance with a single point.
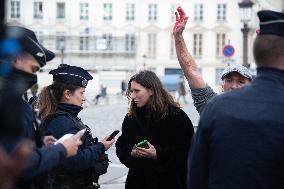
(181, 20)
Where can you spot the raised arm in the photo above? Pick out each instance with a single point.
(186, 61)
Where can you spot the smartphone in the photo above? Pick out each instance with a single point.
(112, 135)
(143, 144)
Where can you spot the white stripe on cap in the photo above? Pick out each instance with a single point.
(272, 22)
(38, 47)
(70, 74)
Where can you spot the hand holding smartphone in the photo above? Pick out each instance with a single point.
(112, 135)
(143, 144)
(68, 135)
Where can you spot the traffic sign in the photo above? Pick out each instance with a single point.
(228, 61)
(228, 50)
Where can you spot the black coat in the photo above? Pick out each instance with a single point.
(240, 138)
(171, 136)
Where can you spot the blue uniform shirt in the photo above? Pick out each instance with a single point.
(240, 139)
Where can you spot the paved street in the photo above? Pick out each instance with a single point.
(107, 116)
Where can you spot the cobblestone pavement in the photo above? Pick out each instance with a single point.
(107, 116)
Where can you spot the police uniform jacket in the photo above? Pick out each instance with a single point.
(42, 159)
(171, 136)
(60, 125)
(240, 138)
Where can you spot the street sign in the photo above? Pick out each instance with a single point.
(228, 51)
(228, 61)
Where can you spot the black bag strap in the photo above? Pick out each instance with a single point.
(37, 129)
(77, 121)
(87, 138)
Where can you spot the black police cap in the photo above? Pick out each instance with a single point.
(271, 23)
(72, 75)
(30, 44)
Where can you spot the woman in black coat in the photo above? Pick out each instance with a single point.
(154, 116)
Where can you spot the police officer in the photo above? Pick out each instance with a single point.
(22, 75)
(240, 139)
(59, 105)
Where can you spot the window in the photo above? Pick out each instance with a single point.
(198, 12)
(173, 71)
(152, 45)
(218, 80)
(60, 10)
(84, 11)
(38, 10)
(173, 10)
(130, 11)
(220, 43)
(84, 43)
(108, 39)
(15, 9)
(197, 45)
(152, 12)
(173, 54)
(39, 36)
(60, 41)
(107, 11)
(130, 42)
(221, 12)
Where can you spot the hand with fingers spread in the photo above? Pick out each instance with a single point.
(12, 165)
(181, 20)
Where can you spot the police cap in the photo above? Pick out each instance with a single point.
(271, 23)
(30, 44)
(72, 75)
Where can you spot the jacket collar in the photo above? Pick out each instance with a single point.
(70, 108)
(269, 75)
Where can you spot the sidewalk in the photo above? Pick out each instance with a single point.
(110, 99)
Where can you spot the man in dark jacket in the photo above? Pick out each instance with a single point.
(25, 63)
(240, 139)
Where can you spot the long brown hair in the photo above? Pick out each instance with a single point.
(50, 96)
(161, 100)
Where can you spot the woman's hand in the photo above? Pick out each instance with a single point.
(107, 143)
(134, 152)
(49, 140)
(147, 152)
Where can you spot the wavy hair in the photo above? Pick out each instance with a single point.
(50, 96)
(159, 103)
